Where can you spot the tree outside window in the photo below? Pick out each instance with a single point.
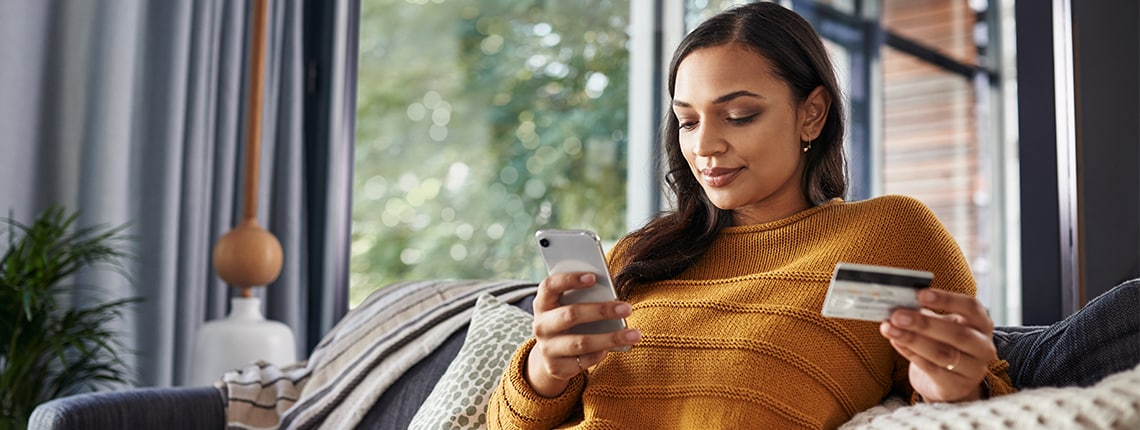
(479, 122)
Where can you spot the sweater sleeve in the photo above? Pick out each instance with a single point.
(997, 382)
(515, 405)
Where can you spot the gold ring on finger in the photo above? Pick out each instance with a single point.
(957, 359)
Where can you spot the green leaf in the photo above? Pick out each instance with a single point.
(52, 350)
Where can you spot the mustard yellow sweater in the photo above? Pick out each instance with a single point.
(737, 341)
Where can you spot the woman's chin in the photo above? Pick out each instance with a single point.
(724, 203)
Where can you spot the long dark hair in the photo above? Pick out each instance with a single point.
(674, 240)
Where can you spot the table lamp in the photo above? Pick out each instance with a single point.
(247, 256)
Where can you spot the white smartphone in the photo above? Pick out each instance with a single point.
(580, 251)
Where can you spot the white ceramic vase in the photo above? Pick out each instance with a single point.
(242, 337)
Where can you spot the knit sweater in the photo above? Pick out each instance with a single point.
(738, 341)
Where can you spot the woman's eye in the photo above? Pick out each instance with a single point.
(743, 119)
(687, 125)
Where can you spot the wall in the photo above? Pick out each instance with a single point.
(1106, 52)
(1106, 40)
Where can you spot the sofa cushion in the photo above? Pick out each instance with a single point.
(400, 402)
(372, 347)
(459, 399)
(395, 408)
(1101, 339)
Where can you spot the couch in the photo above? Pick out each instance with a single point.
(411, 341)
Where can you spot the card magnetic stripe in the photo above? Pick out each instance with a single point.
(915, 282)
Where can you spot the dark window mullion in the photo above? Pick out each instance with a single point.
(924, 53)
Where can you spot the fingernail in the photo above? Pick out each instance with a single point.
(903, 319)
(622, 309)
(632, 336)
(587, 278)
(927, 296)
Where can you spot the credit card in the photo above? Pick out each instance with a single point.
(866, 292)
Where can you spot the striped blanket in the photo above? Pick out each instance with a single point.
(359, 358)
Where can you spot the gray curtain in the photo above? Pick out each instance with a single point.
(133, 111)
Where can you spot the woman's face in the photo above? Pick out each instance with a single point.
(741, 130)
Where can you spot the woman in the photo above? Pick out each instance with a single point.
(723, 294)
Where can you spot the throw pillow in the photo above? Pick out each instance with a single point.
(459, 399)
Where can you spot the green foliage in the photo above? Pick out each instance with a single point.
(479, 122)
(49, 349)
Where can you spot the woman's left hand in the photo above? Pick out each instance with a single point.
(949, 354)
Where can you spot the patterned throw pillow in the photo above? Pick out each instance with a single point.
(459, 399)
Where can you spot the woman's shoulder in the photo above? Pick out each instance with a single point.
(898, 211)
(619, 251)
(890, 204)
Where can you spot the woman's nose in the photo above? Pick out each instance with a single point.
(708, 141)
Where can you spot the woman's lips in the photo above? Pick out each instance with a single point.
(719, 176)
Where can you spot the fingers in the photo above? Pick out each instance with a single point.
(562, 354)
(939, 372)
(968, 307)
(551, 288)
(937, 357)
(935, 383)
(565, 356)
(551, 329)
(551, 318)
(591, 348)
(936, 337)
(968, 327)
(562, 318)
(950, 352)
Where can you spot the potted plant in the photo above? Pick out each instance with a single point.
(49, 349)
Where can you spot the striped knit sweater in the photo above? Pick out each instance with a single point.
(737, 341)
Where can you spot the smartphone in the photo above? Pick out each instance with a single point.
(580, 251)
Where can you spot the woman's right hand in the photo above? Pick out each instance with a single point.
(559, 355)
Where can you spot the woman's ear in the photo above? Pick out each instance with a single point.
(813, 113)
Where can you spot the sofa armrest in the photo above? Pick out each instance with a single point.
(161, 408)
(1099, 340)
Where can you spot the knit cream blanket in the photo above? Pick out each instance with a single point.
(1112, 403)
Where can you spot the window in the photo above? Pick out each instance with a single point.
(941, 123)
(479, 122)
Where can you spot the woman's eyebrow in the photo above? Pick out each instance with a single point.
(722, 99)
